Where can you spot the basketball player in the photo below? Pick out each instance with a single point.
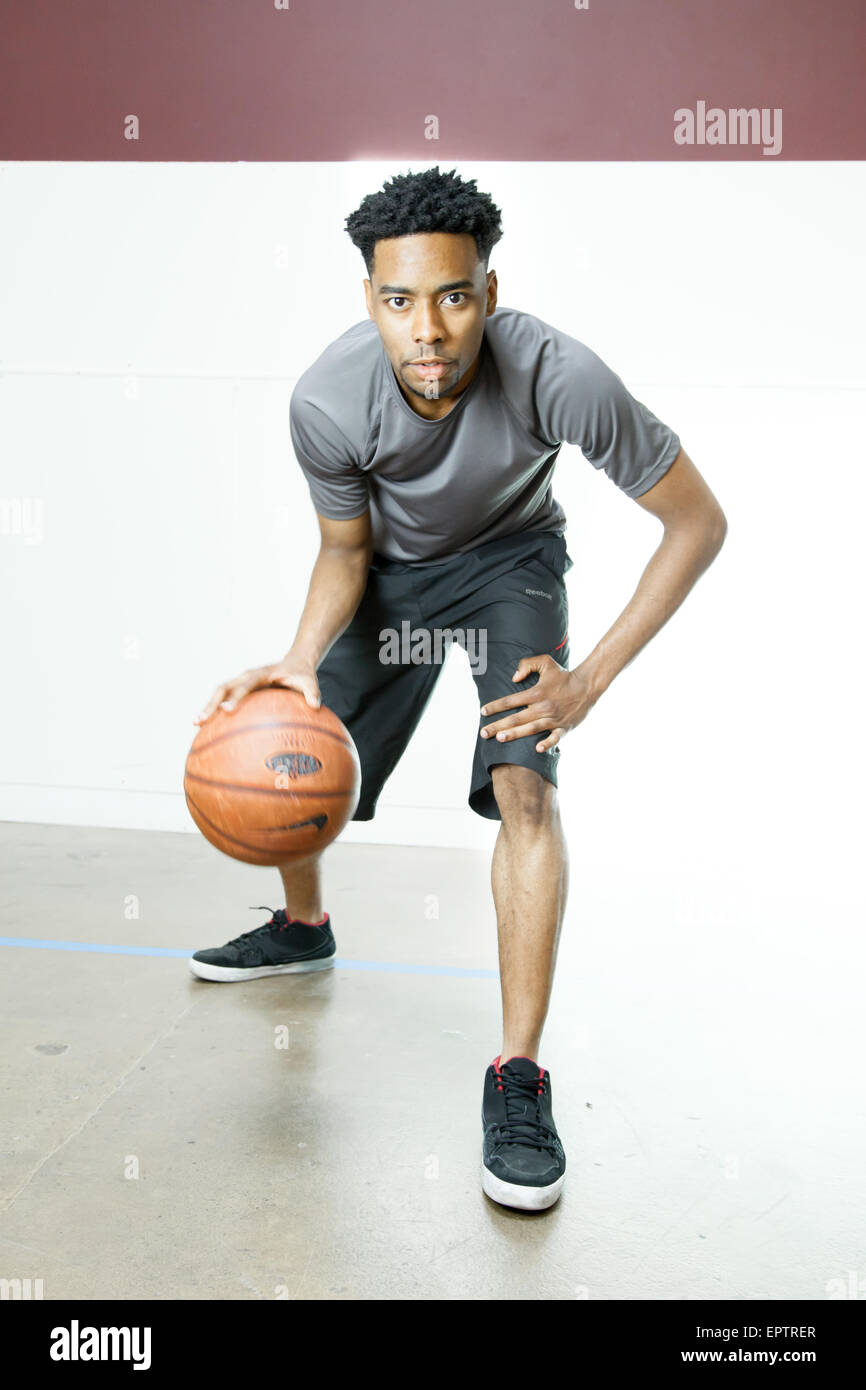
(428, 434)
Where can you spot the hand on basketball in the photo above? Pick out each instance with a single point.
(291, 672)
(558, 701)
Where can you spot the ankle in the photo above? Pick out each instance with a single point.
(311, 919)
(530, 1051)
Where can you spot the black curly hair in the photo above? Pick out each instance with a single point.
(427, 202)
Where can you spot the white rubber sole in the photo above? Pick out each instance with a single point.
(511, 1194)
(228, 975)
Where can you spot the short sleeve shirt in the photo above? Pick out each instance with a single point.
(437, 488)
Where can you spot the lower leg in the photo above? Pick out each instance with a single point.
(530, 886)
(302, 882)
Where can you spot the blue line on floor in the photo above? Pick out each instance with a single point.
(392, 967)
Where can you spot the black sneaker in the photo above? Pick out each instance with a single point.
(522, 1158)
(281, 947)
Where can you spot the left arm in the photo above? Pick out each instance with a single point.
(694, 531)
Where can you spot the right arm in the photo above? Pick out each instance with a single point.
(336, 588)
(337, 585)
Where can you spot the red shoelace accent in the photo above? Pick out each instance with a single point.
(498, 1071)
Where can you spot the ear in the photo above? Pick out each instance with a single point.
(492, 292)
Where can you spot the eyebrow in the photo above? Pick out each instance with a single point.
(440, 289)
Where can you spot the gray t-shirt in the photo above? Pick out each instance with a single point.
(437, 488)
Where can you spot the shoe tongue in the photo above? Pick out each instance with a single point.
(522, 1066)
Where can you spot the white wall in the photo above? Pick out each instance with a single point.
(153, 321)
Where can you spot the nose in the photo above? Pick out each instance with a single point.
(427, 331)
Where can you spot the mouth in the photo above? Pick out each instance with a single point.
(431, 367)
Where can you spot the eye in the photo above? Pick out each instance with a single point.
(395, 299)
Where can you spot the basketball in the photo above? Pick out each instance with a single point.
(273, 779)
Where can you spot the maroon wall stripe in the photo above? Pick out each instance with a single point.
(504, 79)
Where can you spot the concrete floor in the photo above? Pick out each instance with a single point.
(157, 1144)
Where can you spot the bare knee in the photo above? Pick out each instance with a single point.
(523, 795)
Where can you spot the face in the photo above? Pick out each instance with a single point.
(429, 296)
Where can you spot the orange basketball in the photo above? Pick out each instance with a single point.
(273, 779)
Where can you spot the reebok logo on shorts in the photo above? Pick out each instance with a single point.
(539, 592)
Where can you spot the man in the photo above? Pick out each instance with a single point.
(428, 435)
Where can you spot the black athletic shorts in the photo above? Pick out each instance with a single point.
(501, 601)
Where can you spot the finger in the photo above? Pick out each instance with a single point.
(218, 695)
(542, 719)
(522, 697)
(497, 706)
(536, 726)
(235, 693)
(308, 687)
(527, 664)
(548, 743)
